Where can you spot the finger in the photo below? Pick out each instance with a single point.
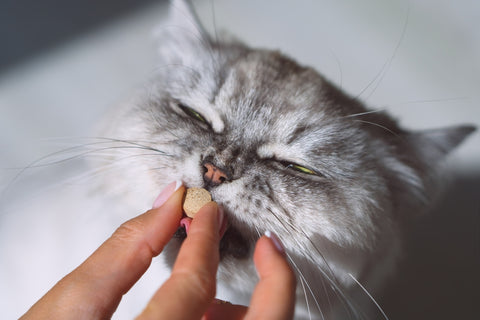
(274, 295)
(95, 288)
(191, 286)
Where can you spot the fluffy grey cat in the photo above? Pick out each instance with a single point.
(297, 156)
(335, 181)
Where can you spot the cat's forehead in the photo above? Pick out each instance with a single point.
(268, 77)
(260, 93)
(266, 89)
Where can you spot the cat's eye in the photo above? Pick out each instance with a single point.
(299, 168)
(192, 113)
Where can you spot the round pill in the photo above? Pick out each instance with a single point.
(195, 199)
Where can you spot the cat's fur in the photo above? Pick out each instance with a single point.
(260, 115)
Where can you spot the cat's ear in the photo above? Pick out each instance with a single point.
(434, 144)
(181, 34)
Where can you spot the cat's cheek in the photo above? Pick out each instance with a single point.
(189, 171)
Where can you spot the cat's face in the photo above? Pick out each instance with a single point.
(298, 157)
(295, 163)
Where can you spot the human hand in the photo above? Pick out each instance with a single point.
(94, 289)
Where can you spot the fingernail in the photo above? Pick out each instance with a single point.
(276, 242)
(166, 193)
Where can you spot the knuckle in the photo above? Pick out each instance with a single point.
(130, 232)
(131, 228)
(200, 283)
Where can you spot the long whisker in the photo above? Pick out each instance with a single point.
(383, 71)
(339, 65)
(369, 295)
(294, 228)
(214, 21)
(363, 113)
(305, 282)
(331, 279)
(80, 155)
(334, 284)
(302, 283)
(436, 101)
(40, 161)
(380, 126)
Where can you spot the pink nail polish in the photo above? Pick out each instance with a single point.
(276, 242)
(166, 193)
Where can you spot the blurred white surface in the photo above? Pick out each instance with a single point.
(418, 59)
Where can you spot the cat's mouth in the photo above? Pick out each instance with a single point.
(232, 243)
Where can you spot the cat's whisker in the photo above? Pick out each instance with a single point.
(305, 282)
(134, 143)
(88, 175)
(305, 295)
(334, 284)
(94, 152)
(298, 231)
(80, 151)
(383, 71)
(307, 304)
(363, 113)
(331, 280)
(217, 39)
(339, 65)
(435, 101)
(172, 133)
(380, 126)
(214, 21)
(158, 168)
(369, 295)
(302, 278)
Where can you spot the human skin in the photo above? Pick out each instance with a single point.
(94, 289)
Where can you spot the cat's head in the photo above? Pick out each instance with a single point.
(295, 154)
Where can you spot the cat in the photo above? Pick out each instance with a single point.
(336, 181)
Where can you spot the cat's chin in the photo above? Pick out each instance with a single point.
(232, 245)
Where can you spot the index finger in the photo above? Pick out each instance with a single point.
(95, 288)
(190, 289)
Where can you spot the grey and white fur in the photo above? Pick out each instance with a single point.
(334, 180)
(337, 182)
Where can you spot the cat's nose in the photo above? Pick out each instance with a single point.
(214, 175)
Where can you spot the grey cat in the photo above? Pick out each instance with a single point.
(297, 156)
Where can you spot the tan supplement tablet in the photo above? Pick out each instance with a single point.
(195, 199)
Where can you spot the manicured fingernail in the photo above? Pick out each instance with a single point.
(276, 242)
(166, 193)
